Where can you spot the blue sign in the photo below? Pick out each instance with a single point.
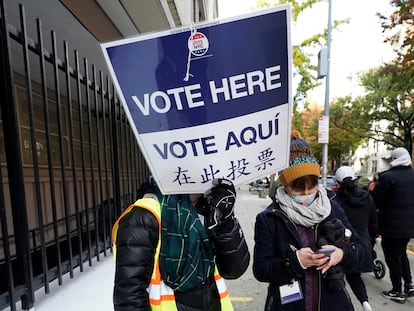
(200, 97)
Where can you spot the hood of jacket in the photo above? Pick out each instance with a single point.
(355, 199)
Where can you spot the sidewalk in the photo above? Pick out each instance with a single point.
(90, 290)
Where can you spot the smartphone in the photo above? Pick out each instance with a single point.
(326, 251)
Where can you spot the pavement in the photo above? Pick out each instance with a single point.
(91, 290)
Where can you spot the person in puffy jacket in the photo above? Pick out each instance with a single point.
(300, 243)
(393, 195)
(173, 251)
(359, 207)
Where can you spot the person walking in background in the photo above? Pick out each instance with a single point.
(394, 199)
(289, 233)
(374, 235)
(359, 207)
(173, 251)
(372, 183)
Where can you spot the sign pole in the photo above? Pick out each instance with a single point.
(326, 110)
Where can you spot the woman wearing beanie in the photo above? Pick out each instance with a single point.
(359, 207)
(289, 235)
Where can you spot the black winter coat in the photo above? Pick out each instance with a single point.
(275, 260)
(394, 200)
(359, 207)
(137, 240)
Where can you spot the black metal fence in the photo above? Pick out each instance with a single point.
(69, 162)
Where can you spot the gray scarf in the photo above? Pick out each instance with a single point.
(306, 216)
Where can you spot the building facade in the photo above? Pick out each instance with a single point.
(69, 160)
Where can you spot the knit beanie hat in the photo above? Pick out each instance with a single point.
(301, 162)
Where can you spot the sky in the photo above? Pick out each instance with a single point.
(356, 47)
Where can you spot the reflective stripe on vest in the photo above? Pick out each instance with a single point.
(161, 296)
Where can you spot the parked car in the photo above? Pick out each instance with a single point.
(331, 183)
(260, 186)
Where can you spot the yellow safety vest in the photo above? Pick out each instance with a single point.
(161, 296)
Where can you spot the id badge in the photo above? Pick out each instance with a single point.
(290, 293)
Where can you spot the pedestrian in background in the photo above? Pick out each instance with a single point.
(394, 199)
(288, 234)
(359, 207)
(173, 251)
(372, 183)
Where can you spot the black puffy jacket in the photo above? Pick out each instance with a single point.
(359, 207)
(394, 199)
(137, 239)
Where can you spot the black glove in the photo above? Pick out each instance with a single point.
(332, 232)
(220, 199)
(202, 207)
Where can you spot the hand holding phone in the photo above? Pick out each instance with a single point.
(326, 251)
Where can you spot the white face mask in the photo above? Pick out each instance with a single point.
(304, 199)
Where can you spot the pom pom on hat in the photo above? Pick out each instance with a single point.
(301, 162)
(294, 135)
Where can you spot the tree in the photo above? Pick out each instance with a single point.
(389, 102)
(309, 128)
(346, 130)
(401, 26)
(305, 70)
(390, 98)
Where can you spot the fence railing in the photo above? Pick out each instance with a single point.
(69, 161)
